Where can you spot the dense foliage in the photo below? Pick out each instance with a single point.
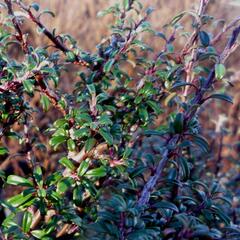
(120, 175)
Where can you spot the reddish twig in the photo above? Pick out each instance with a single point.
(19, 36)
(153, 180)
(218, 37)
(57, 42)
(193, 39)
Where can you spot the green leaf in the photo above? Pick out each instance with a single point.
(106, 135)
(201, 142)
(108, 65)
(82, 132)
(91, 89)
(70, 56)
(2, 175)
(19, 199)
(83, 168)
(166, 204)
(38, 176)
(126, 4)
(184, 167)
(47, 12)
(155, 107)
(128, 151)
(57, 140)
(3, 151)
(71, 145)
(60, 123)
(204, 38)
(179, 85)
(96, 172)
(221, 96)
(42, 193)
(35, 6)
(105, 120)
(64, 185)
(39, 234)
(221, 214)
(220, 71)
(177, 18)
(45, 102)
(178, 123)
(89, 144)
(78, 195)
(143, 114)
(149, 10)
(67, 163)
(19, 181)
(27, 221)
(28, 85)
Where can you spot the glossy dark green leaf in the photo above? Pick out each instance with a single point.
(108, 65)
(67, 163)
(39, 234)
(221, 214)
(35, 6)
(28, 85)
(89, 144)
(19, 181)
(91, 89)
(106, 135)
(201, 142)
(83, 168)
(45, 102)
(222, 96)
(82, 132)
(184, 167)
(38, 175)
(64, 185)
(143, 114)
(96, 172)
(167, 205)
(27, 221)
(204, 38)
(20, 199)
(178, 123)
(70, 56)
(57, 140)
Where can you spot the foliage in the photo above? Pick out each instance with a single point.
(119, 175)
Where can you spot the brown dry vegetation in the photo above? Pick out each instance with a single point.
(79, 19)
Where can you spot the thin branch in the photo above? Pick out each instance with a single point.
(152, 181)
(192, 39)
(188, 115)
(218, 37)
(57, 42)
(188, 47)
(20, 36)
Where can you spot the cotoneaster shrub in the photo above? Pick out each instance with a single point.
(120, 176)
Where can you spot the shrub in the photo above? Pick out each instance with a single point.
(120, 175)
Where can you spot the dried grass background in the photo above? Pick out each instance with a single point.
(78, 17)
